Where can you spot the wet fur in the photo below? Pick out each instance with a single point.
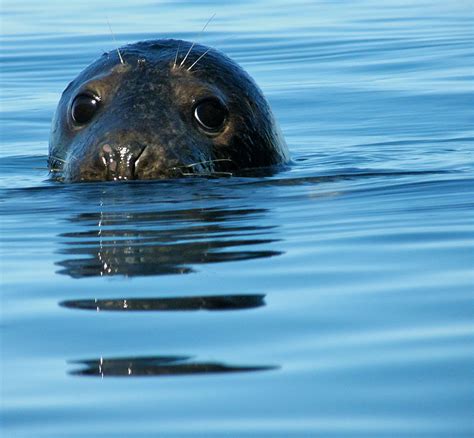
(146, 113)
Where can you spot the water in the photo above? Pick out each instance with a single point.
(333, 299)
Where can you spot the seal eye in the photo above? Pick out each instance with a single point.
(210, 114)
(84, 107)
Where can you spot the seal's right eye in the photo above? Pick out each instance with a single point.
(84, 107)
(211, 115)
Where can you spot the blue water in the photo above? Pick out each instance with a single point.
(333, 299)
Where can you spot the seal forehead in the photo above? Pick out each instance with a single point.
(178, 62)
(147, 72)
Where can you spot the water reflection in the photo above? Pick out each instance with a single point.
(161, 242)
(157, 366)
(213, 303)
(123, 241)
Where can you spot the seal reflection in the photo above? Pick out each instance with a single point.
(212, 303)
(163, 365)
(156, 366)
(146, 243)
(160, 242)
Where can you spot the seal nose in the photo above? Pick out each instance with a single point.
(120, 161)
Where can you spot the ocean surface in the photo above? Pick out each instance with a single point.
(332, 299)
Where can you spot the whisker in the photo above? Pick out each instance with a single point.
(115, 40)
(208, 161)
(57, 159)
(199, 174)
(194, 43)
(56, 164)
(221, 174)
(176, 57)
(197, 60)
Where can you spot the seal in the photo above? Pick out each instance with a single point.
(162, 109)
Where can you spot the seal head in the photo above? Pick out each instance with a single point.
(170, 109)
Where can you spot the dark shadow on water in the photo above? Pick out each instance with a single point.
(162, 242)
(157, 366)
(211, 303)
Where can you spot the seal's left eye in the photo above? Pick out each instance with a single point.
(84, 107)
(211, 115)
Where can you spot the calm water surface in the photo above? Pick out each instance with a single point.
(334, 299)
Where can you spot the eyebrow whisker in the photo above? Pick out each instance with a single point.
(176, 57)
(197, 60)
(194, 43)
(115, 40)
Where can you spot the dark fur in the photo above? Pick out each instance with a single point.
(146, 123)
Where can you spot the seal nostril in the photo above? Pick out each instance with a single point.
(107, 149)
(120, 162)
(138, 156)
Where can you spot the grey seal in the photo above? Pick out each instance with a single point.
(162, 109)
